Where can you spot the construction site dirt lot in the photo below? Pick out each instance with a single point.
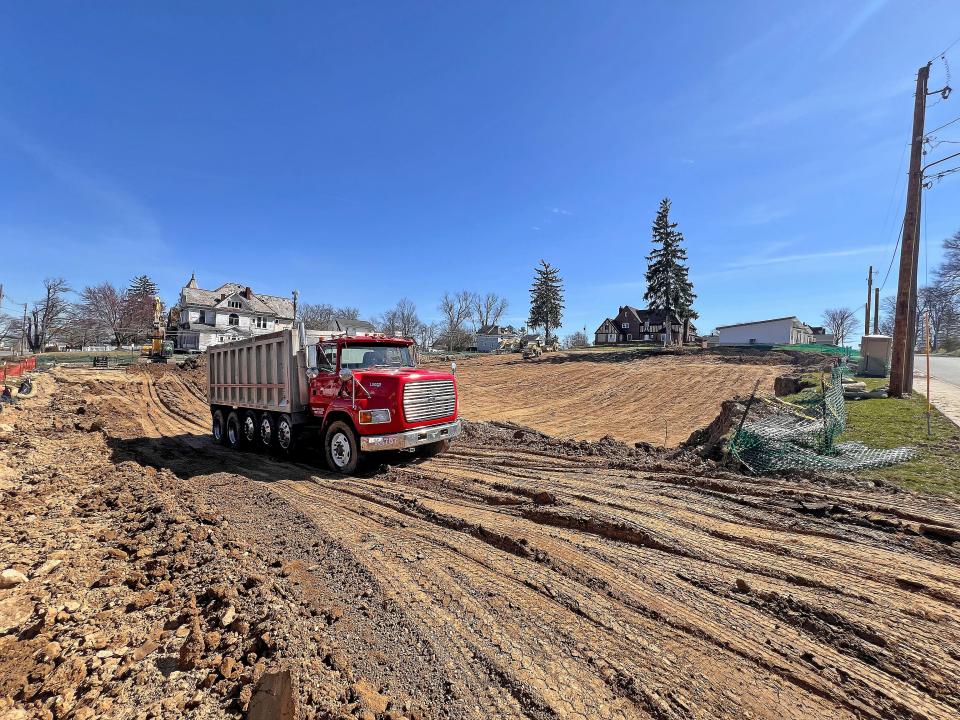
(151, 574)
(627, 395)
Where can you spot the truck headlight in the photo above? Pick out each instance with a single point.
(374, 417)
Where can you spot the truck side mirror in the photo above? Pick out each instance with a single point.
(346, 374)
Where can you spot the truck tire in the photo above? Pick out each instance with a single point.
(286, 434)
(218, 427)
(232, 435)
(433, 449)
(341, 448)
(250, 429)
(268, 430)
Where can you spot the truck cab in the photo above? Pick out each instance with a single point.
(368, 395)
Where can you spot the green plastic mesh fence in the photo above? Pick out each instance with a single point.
(785, 440)
(850, 354)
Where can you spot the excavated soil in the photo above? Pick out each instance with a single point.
(518, 575)
(631, 396)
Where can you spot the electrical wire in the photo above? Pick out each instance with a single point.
(930, 132)
(892, 257)
(946, 50)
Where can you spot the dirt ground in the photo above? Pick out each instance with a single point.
(589, 395)
(152, 574)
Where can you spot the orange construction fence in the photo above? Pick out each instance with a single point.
(9, 370)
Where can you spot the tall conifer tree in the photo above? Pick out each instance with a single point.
(669, 289)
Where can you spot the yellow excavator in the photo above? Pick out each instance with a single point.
(159, 350)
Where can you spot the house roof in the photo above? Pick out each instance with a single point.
(258, 302)
(497, 330)
(760, 322)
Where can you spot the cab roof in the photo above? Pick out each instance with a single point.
(374, 339)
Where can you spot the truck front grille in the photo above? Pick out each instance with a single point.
(428, 400)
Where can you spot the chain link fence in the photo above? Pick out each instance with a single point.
(807, 438)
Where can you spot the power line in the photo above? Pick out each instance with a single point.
(892, 257)
(930, 132)
(946, 50)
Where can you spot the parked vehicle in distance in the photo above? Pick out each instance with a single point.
(361, 394)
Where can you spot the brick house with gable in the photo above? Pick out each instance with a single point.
(635, 325)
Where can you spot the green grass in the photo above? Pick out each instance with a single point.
(892, 422)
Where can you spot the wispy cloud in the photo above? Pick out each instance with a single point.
(126, 213)
(761, 214)
(803, 257)
(854, 27)
(560, 211)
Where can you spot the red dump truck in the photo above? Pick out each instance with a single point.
(357, 394)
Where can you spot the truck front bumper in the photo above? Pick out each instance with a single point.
(411, 438)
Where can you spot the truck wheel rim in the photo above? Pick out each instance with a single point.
(265, 431)
(340, 450)
(250, 429)
(283, 434)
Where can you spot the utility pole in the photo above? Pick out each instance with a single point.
(866, 317)
(23, 332)
(876, 311)
(901, 364)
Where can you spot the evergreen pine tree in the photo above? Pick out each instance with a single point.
(546, 299)
(669, 289)
(143, 286)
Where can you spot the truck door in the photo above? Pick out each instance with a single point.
(327, 382)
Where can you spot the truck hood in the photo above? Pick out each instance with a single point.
(398, 375)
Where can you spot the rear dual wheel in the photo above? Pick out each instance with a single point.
(277, 433)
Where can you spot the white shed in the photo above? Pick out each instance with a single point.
(785, 330)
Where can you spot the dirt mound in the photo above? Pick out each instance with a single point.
(517, 575)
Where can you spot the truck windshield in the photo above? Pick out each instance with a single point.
(367, 356)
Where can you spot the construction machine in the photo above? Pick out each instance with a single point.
(159, 350)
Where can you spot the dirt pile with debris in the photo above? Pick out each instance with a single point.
(517, 575)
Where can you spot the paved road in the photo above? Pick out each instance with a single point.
(944, 384)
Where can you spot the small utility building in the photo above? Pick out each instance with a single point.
(778, 331)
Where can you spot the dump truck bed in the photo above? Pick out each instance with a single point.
(264, 372)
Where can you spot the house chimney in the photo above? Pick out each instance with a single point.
(248, 293)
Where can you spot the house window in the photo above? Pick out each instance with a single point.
(625, 325)
(234, 319)
(753, 341)
(629, 336)
(235, 304)
(260, 322)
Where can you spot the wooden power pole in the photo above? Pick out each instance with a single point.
(901, 363)
(876, 311)
(866, 316)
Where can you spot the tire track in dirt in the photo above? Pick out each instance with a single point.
(556, 586)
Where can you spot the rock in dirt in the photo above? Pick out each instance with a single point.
(365, 694)
(11, 578)
(273, 698)
(192, 649)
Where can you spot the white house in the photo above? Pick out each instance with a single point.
(489, 337)
(785, 330)
(231, 312)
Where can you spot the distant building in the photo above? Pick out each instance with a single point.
(491, 337)
(778, 331)
(820, 335)
(634, 325)
(231, 312)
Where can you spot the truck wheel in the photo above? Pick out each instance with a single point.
(249, 429)
(267, 430)
(341, 448)
(217, 427)
(285, 434)
(233, 431)
(433, 449)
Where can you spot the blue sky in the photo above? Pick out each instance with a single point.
(360, 152)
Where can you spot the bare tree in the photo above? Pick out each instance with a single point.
(11, 327)
(940, 303)
(576, 340)
(104, 307)
(840, 322)
(48, 315)
(455, 310)
(488, 309)
(426, 334)
(316, 317)
(948, 273)
(401, 319)
(347, 312)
